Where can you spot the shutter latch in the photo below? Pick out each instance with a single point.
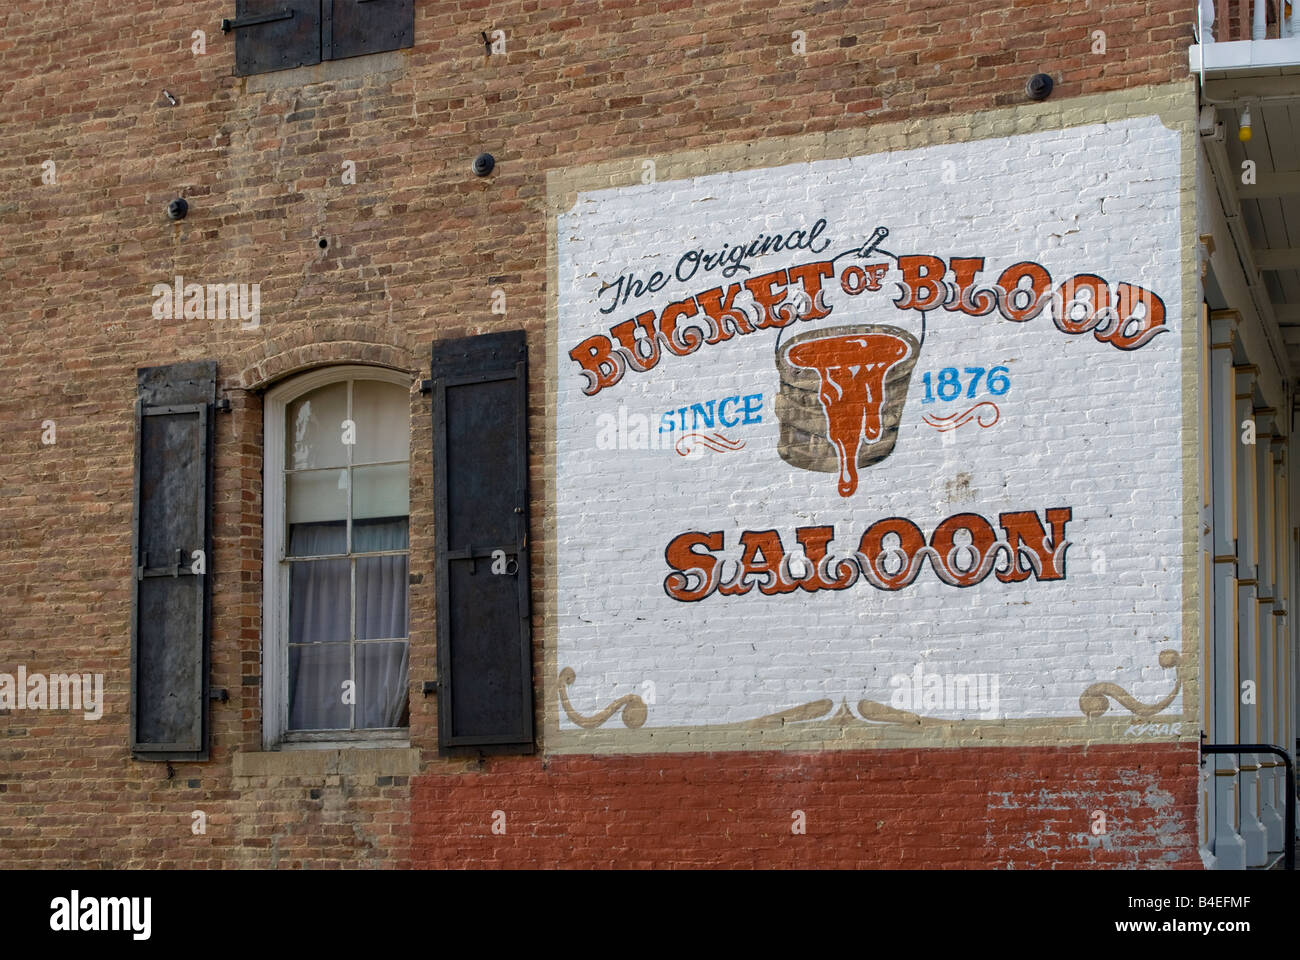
(227, 24)
(170, 570)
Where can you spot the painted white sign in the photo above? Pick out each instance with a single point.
(830, 429)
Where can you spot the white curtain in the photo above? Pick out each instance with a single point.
(320, 620)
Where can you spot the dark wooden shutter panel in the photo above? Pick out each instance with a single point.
(480, 463)
(169, 627)
(276, 44)
(355, 27)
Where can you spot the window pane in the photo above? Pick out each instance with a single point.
(318, 539)
(380, 491)
(320, 595)
(379, 534)
(382, 413)
(317, 495)
(316, 675)
(381, 685)
(381, 597)
(314, 429)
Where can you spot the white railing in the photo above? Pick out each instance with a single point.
(1247, 20)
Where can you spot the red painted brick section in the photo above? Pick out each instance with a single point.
(980, 807)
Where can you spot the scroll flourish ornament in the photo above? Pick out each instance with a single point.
(633, 708)
(693, 444)
(978, 413)
(1095, 700)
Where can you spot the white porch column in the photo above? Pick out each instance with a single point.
(1283, 732)
(1221, 726)
(1208, 789)
(1266, 578)
(1251, 827)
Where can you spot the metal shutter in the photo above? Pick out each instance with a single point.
(480, 461)
(169, 627)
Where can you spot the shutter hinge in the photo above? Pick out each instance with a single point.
(227, 24)
(431, 686)
(220, 693)
(426, 386)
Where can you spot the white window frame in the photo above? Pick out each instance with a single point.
(275, 573)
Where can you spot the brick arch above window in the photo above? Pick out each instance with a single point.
(275, 360)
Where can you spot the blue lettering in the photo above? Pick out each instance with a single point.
(730, 411)
(722, 411)
(698, 411)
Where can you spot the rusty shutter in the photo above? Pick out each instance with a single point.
(172, 522)
(480, 462)
(275, 35)
(350, 28)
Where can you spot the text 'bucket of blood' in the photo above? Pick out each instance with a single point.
(844, 383)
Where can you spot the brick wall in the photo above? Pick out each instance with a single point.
(415, 248)
(970, 808)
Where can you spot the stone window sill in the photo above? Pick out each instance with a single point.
(376, 761)
(368, 65)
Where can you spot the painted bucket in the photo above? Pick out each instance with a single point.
(841, 397)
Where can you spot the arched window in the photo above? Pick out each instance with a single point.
(336, 646)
